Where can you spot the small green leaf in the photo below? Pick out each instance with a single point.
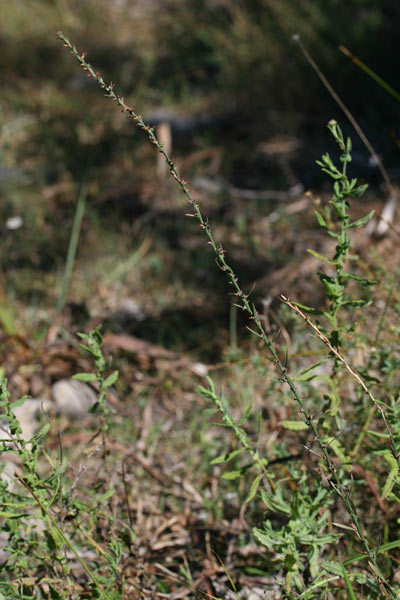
(378, 434)
(18, 402)
(322, 361)
(11, 515)
(340, 452)
(308, 309)
(254, 488)
(232, 475)
(275, 503)
(224, 458)
(321, 257)
(334, 174)
(111, 379)
(41, 433)
(308, 375)
(246, 414)
(85, 377)
(356, 303)
(337, 190)
(360, 190)
(333, 567)
(390, 482)
(210, 411)
(333, 234)
(362, 221)
(294, 425)
(262, 537)
(321, 220)
(388, 456)
(362, 280)
(333, 289)
(58, 539)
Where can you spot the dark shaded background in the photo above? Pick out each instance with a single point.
(230, 78)
(224, 62)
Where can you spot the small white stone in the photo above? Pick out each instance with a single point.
(73, 398)
(14, 222)
(200, 369)
(130, 308)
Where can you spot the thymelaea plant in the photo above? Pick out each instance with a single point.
(242, 301)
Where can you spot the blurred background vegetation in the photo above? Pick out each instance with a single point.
(247, 113)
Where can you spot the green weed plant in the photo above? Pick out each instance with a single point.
(337, 226)
(46, 522)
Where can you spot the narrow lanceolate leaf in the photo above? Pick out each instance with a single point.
(340, 452)
(41, 433)
(275, 504)
(321, 220)
(359, 191)
(356, 303)
(294, 425)
(85, 377)
(232, 475)
(254, 488)
(94, 408)
(333, 288)
(378, 434)
(310, 310)
(321, 257)
(210, 411)
(336, 189)
(4, 514)
(362, 221)
(308, 370)
(333, 567)
(111, 379)
(362, 280)
(58, 539)
(224, 458)
(18, 402)
(389, 483)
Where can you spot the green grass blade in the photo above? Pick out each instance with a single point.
(73, 244)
